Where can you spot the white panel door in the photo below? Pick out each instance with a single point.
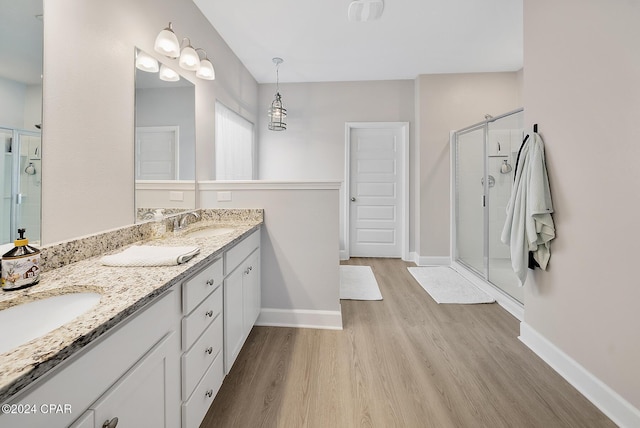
(157, 151)
(375, 221)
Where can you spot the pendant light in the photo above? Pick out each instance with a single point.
(277, 112)
(167, 43)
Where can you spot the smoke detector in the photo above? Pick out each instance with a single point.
(365, 10)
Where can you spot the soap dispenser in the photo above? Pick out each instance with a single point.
(159, 225)
(20, 265)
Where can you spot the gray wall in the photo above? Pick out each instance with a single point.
(89, 105)
(313, 146)
(450, 102)
(581, 87)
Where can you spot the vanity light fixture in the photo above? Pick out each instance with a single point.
(277, 112)
(189, 59)
(168, 74)
(146, 62)
(167, 43)
(206, 70)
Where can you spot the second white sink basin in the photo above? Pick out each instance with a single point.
(28, 321)
(209, 232)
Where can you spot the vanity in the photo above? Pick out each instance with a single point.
(156, 348)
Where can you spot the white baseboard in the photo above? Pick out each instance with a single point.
(620, 411)
(300, 318)
(429, 261)
(344, 255)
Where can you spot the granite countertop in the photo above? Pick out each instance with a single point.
(123, 291)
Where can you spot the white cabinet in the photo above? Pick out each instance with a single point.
(252, 299)
(233, 317)
(137, 399)
(241, 295)
(202, 342)
(163, 366)
(133, 366)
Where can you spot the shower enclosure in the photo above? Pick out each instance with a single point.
(483, 158)
(20, 179)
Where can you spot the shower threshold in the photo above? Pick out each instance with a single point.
(510, 304)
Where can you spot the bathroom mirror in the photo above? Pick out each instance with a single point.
(164, 138)
(21, 30)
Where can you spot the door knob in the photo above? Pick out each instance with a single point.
(113, 423)
(353, 199)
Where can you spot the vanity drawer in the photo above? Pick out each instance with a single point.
(198, 320)
(195, 289)
(194, 409)
(241, 251)
(196, 361)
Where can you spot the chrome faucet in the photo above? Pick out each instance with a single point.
(180, 222)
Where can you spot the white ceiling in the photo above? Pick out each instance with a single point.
(318, 43)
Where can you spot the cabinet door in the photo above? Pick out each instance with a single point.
(87, 420)
(251, 290)
(147, 395)
(233, 317)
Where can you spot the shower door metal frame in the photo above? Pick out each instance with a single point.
(454, 198)
(16, 195)
(508, 302)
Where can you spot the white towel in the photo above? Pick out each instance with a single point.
(146, 255)
(529, 226)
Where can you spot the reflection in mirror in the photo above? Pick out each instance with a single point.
(164, 139)
(20, 118)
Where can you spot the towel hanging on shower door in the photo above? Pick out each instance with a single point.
(529, 226)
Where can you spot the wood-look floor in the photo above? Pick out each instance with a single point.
(404, 361)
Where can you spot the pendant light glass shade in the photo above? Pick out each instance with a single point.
(168, 74)
(146, 62)
(206, 70)
(277, 112)
(167, 43)
(189, 59)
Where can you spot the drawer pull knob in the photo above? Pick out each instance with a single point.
(209, 313)
(209, 393)
(113, 423)
(210, 281)
(209, 350)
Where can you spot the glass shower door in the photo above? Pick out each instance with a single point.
(21, 179)
(504, 138)
(6, 183)
(469, 209)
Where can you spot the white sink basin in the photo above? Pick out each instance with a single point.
(27, 321)
(209, 232)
